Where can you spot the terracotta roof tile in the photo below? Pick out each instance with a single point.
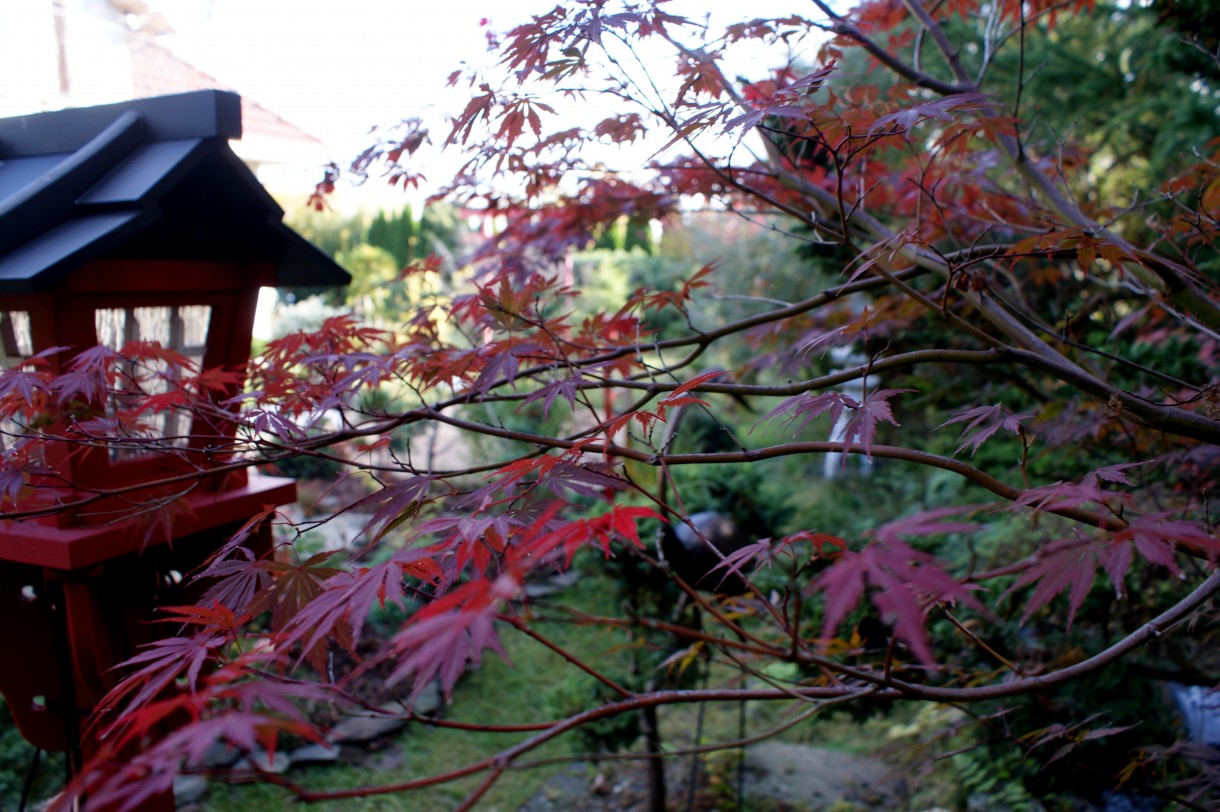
(157, 71)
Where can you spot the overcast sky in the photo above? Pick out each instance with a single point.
(337, 67)
(334, 68)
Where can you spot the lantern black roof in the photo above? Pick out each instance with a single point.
(145, 179)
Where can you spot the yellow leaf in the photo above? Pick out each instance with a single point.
(1211, 197)
(1085, 256)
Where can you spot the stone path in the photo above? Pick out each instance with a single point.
(788, 777)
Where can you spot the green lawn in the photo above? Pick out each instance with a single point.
(497, 692)
(513, 693)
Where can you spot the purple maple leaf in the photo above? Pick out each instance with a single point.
(1070, 565)
(863, 423)
(808, 406)
(903, 120)
(988, 420)
(902, 583)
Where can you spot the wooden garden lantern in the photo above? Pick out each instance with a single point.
(126, 222)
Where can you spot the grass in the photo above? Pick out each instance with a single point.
(500, 692)
(16, 755)
(517, 692)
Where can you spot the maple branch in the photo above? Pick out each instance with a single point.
(1154, 629)
(908, 186)
(893, 688)
(982, 644)
(1163, 418)
(521, 626)
(924, 258)
(706, 338)
(881, 687)
(943, 45)
(745, 642)
(846, 28)
(311, 446)
(1169, 419)
(478, 792)
(729, 744)
(975, 475)
(889, 363)
(1158, 273)
(695, 750)
(1036, 352)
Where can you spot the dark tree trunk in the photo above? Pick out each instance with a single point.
(656, 764)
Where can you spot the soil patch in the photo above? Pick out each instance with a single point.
(779, 777)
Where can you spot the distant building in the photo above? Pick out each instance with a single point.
(79, 53)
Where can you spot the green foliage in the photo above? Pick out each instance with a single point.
(375, 252)
(580, 692)
(328, 230)
(1193, 21)
(605, 278)
(407, 238)
(16, 756)
(307, 466)
(375, 282)
(994, 259)
(850, 505)
(526, 418)
(1119, 78)
(626, 234)
(304, 314)
(744, 492)
(995, 781)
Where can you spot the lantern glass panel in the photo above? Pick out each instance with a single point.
(16, 339)
(181, 328)
(16, 345)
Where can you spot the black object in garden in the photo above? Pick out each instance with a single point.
(694, 550)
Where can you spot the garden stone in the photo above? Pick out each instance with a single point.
(822, 777)
(551, 585)
(220, 754)
(429, 700)
(314, 754)
(259, 759)
(388, 760)
(356, 729)
(188, 789)
(1130, 802)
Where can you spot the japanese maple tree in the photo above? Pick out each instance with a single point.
(999, 311)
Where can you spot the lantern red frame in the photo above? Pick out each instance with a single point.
(135, 205)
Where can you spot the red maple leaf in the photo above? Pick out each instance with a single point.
(345, 599)
(450, 634)
(163, 661)
(241, 578)
(1070, 494)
